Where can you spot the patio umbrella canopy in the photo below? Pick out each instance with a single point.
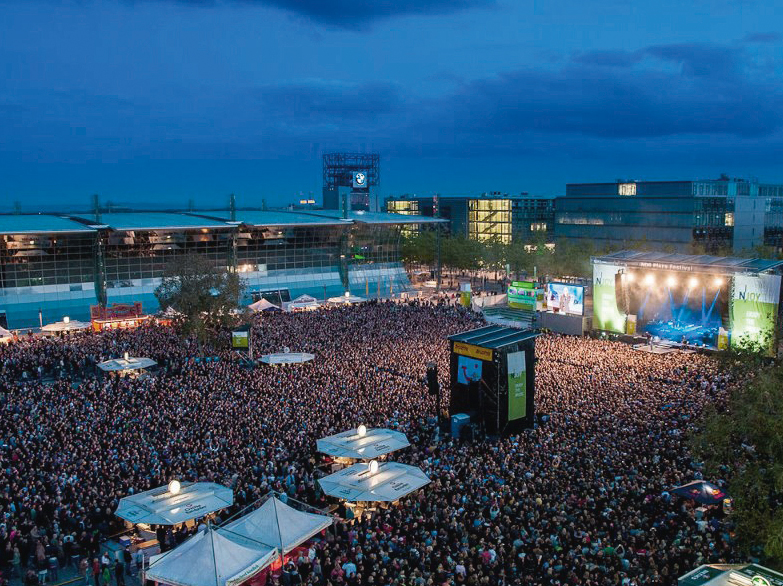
(362, 443)
(130, 363)
(702, 492)
(210, 558)
(278, 525)
(162, 506)
(392, 481)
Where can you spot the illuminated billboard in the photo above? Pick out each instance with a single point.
(565, 298)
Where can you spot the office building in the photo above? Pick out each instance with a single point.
(493, 215)
(683, 216)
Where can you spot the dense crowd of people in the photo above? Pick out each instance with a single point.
(582, 499)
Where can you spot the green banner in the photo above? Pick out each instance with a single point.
(753, 312)
(606, 316)
(517, 385)
(522, 295)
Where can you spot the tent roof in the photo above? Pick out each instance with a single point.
(5, 333)
(62, 326)
(278, 525)
(392, 481)
(210, 558)
(304, 299)
(346, 299)
(160, 507)
(349, 444)
(132, 363)
(262, 305)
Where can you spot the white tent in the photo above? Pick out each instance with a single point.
(278, 525)
(302, 302)
(348, 299)
(262, 305)
(124, 364)
(171, 313)
(65, 326)
(372, 444)
(210, 558)
(159, 506)
(357, 483)
(5, 335)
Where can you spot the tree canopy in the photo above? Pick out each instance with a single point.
(201, 292)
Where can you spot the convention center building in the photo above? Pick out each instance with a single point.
(53, 266)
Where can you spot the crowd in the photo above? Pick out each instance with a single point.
(580, 500)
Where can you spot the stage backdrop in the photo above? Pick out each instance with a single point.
(606, 316)
(754, 310)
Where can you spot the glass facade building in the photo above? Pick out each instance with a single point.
(724, 214)
(60, 266)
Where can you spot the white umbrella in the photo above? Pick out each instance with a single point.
(129, 363)
(392, 481)
(162, 506)
(65, 326)
(362, 446)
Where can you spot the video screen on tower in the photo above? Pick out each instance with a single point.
(565, 298)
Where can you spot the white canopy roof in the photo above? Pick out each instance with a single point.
(210, 558)
(278, 525)
(160, 507)
(262, 305)
(301, 302)
(349, 444)
(287, 358)
(65, 326)
(5, 333)
(120, 364)
(391, 482)
(346, 299)
(171, 313)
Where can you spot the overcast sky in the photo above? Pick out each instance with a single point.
(161, 101)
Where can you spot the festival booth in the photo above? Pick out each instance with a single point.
(174, 504)
(67, 325)
(263, 305)
(361, 484)
(122, 316)
(127, 365)
(5, 336)
(210, 558)
(347, 299)
(287, 357)
(302, 303)
(362, 443)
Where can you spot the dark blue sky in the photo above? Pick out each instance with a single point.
(150, 101)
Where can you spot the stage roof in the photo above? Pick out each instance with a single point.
(698, 261)
(494, 336)
(35, 223)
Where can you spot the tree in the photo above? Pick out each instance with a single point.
(744, 442)
(201, 292)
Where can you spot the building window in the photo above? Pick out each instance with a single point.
(728, 219)
(538, 227)
(626, 188)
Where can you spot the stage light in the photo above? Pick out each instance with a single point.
(629, 277)
(671, 281)
(649, 279)
(174, 487)
(126, 356)
(718, 282)
(373, 467)
(692, 282)
(66, 320)
(361, 430)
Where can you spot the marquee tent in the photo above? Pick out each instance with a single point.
(262, 305)
(210, 558)
(303, 302)
(65, 326)
(5, 335)
(357, 483)
(125, 364)
(346, 299)
(372, 444)
(160, 506)
(278, 525)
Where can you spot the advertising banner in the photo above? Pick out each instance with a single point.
(754, 310)
(517, 385)
(522, 295)
(473, 351)
(606, 316)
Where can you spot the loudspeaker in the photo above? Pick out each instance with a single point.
(432, 378)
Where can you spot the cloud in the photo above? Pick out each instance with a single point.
(352, 14)
(608, 58)
(761, 38)
(699, 59)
